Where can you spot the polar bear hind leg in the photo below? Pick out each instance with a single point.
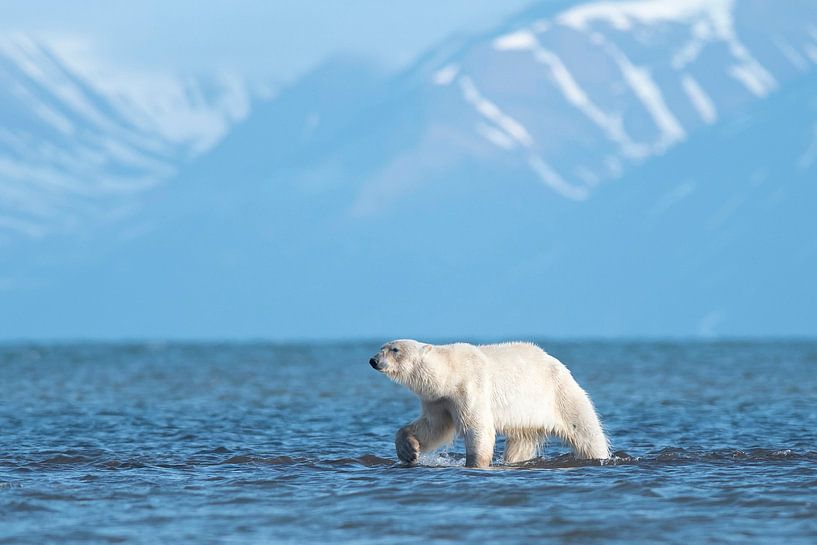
(521, 446)
(578, 424)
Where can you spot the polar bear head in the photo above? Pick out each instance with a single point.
(402, 360)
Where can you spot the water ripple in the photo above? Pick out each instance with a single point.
(667, 456)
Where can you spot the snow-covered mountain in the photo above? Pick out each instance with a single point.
(584, 94)
(637, 167)
(80, 138)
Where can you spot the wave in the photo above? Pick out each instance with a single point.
(677, 455)
(223, 457)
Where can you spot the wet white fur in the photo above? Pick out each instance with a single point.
(514, 389)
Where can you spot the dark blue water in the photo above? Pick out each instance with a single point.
(260, 443)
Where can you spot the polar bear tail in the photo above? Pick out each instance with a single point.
(578, 424)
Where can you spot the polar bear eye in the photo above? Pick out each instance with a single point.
(395, 350)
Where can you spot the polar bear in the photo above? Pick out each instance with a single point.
(515, 389)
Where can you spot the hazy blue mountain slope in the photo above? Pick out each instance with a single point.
(480, 193)
(694, 243)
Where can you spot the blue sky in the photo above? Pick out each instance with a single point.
(268, 41)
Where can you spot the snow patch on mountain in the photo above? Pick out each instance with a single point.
(446, 74)
(700, 99)
(492, 113)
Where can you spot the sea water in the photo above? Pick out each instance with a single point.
(716, 442)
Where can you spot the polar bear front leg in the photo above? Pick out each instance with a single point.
(475, 422)
(407, 445)
(433, 428)
(479, 445)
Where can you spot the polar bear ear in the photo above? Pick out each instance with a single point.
(425, 349)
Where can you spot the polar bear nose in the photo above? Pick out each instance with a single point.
(373, 363)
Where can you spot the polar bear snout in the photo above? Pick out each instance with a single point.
(374, 363)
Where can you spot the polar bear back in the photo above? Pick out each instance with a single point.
(524, 381)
